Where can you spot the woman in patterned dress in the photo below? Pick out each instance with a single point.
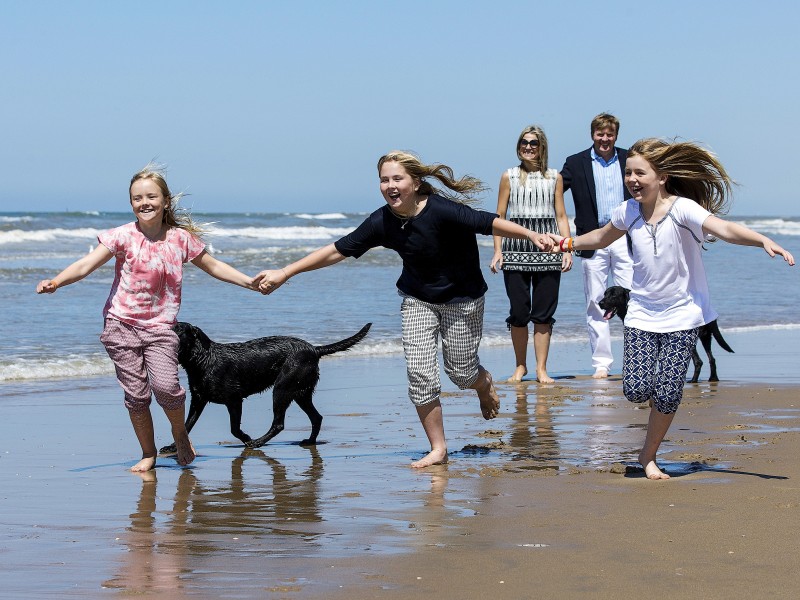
(533, 196)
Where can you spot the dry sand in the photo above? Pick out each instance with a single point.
(544, 501)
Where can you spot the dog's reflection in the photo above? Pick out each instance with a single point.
(166, 543)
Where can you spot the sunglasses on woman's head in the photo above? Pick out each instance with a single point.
(531, 143)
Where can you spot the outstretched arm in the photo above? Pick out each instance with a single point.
(76, 271)
(503, 194)
(223, 271)
(598, 238)
(269, 281)
(741, 235)
(512, 230)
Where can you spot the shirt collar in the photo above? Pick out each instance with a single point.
(601, 160)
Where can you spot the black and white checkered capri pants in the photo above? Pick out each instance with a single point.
(460, 326)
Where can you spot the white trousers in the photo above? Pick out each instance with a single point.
(615, 261)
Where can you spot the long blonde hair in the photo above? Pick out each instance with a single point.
(539, 133)
(465, 188)
(174, 215)
(692, 171)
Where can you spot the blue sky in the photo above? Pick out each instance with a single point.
(286, 106)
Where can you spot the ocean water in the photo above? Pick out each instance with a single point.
(44, 337)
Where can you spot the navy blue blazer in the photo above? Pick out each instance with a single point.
(578, 177)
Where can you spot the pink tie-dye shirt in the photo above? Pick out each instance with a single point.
(148, 274)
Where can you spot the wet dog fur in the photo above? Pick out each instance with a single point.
(615, 302)
(229, 373)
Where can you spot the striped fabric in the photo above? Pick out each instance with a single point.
(531, 204)
(609, 187)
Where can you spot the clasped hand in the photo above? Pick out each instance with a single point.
(268, 281)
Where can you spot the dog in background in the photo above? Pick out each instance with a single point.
(229, 373)
(615, 302)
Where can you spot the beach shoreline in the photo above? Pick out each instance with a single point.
(546, 499)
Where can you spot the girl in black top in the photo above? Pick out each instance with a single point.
(442, 286)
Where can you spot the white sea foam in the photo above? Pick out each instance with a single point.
(321, 217)
(770, 226)
(23, 219)
(281, 233)
(72, 365)
(19, 236)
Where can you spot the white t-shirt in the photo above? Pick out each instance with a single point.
(669, 291)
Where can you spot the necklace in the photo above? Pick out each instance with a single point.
(404, 219)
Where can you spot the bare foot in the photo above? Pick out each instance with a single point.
(434, 457)
(600, 373)
(652, 471)
(186, 452)
(543, 377)
(519, 373)
(490, 402)
(144, 465)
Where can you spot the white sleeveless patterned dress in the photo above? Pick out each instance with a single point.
(531, 203)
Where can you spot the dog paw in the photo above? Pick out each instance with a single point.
(171, 449)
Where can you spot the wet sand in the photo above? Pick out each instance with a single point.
(545, 500)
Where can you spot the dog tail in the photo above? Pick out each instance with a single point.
(345, 344)
(718, 336)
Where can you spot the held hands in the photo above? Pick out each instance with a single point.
(555, 240)
(46, 286)
(268, 281)
(542, 241)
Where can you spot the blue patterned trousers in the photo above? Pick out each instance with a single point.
(654, 366)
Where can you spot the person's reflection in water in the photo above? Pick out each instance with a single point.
(533, 438)
(146, 569)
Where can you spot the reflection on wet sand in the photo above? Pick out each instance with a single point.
(168, 545)
(533, 437)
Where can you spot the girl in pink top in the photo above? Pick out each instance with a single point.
(143, 305)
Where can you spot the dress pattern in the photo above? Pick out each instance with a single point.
(531, 203)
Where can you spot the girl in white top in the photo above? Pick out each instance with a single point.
(677, 189)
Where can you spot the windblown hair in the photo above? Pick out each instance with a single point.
(466, 189)
(539, 133)
(604, 120)
(692, 171)
(174, 215)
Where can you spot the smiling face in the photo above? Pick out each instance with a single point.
(642, 180)
(398, 188)
(604, 139)
(528, 148)
(148, 202)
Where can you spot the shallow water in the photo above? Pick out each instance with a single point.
(243, 523)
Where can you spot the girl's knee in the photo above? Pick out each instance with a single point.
(137, 404)
(637, 395)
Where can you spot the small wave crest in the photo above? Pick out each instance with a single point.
(19, 236)
(321, 217)
(281, 233)
(72, 365)
(770, 226)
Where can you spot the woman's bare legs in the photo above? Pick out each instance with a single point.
(430, 415)
(519, 340)
(657, 426)
(541, 346)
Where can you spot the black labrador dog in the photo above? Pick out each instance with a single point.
(615, 302)
(229, 373)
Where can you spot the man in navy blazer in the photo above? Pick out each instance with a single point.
(596, 179)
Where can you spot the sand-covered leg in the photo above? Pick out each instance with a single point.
(430, 415)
